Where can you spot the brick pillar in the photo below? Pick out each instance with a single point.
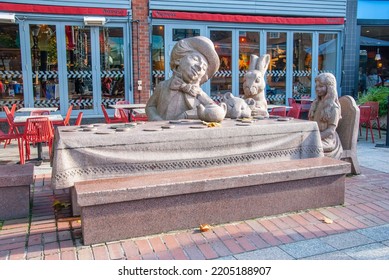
(141, 50)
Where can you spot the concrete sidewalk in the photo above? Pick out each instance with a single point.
(359, 229)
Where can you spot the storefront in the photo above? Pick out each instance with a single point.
(374, 44)
(61, 55)
(302, 43)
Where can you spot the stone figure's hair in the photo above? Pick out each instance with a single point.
(330, 100)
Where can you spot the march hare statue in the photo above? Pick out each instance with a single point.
(254, 83)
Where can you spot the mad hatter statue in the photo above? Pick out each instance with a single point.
(193, 61)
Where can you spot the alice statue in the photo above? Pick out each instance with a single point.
(326, 111)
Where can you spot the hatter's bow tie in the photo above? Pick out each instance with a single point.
(179, 85)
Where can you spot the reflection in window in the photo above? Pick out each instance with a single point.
(179, 34)
(112, 64)
(276, 74)
(158, 54)
(327, 53)
(11, 83)
(248, 45)
(222, 80)
(79, 67)
(44, 64)
(302, 64)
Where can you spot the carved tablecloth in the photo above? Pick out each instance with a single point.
(84, 155)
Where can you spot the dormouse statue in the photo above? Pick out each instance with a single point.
(238, 107)
(254, 83)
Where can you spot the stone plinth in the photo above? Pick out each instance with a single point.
(15, 182)
(138, 205)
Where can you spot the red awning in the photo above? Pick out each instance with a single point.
(246, 18)
(63, 10)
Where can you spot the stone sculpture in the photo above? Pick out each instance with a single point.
(254, 83)
(326, 111)
(193, 61)
(238, 107)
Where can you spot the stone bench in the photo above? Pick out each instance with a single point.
(15, 182)
(138, 205)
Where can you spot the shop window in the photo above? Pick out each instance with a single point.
(79, 67)
(158, 54)
(302, 65)
(276, 74)
(248, 45)
(179, 34)
(112, 64)
(11, 79)
(221, 82)
(44, 65)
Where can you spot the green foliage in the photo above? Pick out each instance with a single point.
(378, 94)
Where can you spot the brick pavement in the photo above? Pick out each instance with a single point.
(52, 233)
(359, 229)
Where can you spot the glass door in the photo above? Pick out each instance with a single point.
(221, 82)
(277, 70)
(44, 65)
(112, 66)
(79, 64)
(11, 78)
(302, 65)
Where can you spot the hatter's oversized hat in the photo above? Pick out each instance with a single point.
(201, 44)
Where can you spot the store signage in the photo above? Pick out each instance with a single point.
(246, 18)
(63, 10)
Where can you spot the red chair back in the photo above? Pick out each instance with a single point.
(66, 121)
(278, 111)
(38, 129)
(13, 109)
(291, 101)
(365, 113)
(106, 117)
(294, 112)
(79, 118)
(375, 106)
(117, 112)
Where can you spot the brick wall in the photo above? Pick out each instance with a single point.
(141, 60)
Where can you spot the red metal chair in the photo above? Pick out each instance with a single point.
(291, 101)
(79, 119)
(37, 131)
(136, 114)
(13, 127)
(121, 119)
(365, 118)
(375, 107)
(66, 120)
(278, 111)
(13, 109)
(294, 112)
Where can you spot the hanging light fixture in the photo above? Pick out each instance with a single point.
(378, 56)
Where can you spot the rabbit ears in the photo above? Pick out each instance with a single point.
(259, 63)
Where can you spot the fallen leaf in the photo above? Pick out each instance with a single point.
(327, 220)
(204, 227)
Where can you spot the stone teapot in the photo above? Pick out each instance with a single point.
(211, 112)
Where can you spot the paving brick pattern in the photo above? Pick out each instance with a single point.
(50, 232)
